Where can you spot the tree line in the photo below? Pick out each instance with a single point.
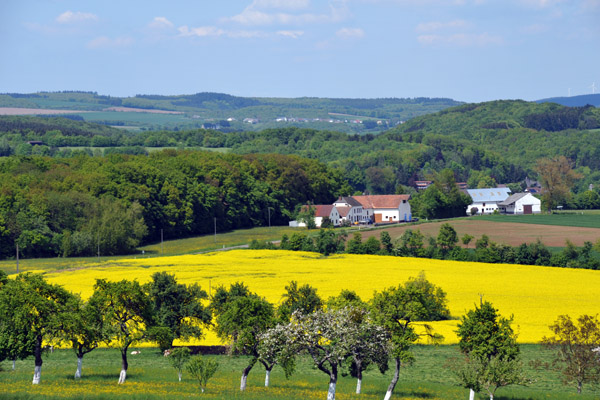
(341, 335)
(445, 246)
(110, 205)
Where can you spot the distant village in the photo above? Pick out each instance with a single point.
(369, 123)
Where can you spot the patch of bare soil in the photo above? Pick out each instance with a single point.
(509, 233)
(35, 111)
(142, 110)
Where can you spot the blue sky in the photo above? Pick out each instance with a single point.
(469, 50)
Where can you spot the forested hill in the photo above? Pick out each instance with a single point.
(521, 131)
(231, 113)
(72, 206)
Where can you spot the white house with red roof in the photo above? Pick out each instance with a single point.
(386, 208)
(321, 212)
(351, 210)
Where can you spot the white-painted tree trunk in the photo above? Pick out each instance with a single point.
(179, 374)
(331, 391)
(243, 382)
(491, 396)
(14, 364)
(267, 377)
(358, 385)
(37, 375)
(122, 376)
(471, 394)
(79, 365)
(388, 395)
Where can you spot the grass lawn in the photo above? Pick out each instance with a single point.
(151, 377)
(169, 248)
(582, 219)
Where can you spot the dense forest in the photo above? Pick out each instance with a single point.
(82, 205)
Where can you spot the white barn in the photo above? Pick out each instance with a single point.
(486, 200)
(521, 203)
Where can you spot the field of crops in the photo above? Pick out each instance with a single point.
(534, 295)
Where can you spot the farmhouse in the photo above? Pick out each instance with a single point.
(362, 209)
(521, 203)
(322, 211)
(351, 210)
(386, 208)
(485, 201)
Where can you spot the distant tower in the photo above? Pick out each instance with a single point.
(593, 88)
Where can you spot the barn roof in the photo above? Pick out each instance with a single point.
(382, 200)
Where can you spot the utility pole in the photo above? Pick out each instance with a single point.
(269, 209)
(17, 257)
(161, 241)
(215, 218)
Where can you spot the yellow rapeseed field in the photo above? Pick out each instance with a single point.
(534, 295)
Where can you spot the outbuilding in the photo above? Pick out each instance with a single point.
(521, 203)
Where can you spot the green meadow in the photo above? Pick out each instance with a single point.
(151, 377)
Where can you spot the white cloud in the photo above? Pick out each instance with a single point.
(259, 13)
(200, 31)
(350, 33)
(160, 23)
(106, 42)
(290, 34)
(71, 17)
(281, 4)
(539, 3)
(213, 31)
(436, 25)
(462, 39)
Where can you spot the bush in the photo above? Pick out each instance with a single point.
(202, 369)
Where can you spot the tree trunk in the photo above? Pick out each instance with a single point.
(471, 394)
(394, 381)
(579, 387)
(332, 383)
(359, 377)
(37, 352)
(79, 365)
(123, 374)
(267, 377)
(14, 364)
(245, 374)
(179, 374)
(243, 381)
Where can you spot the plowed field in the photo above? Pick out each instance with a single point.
(509, 233)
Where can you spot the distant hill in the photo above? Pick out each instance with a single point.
(231, 113)
(574, 101)
(497, 141)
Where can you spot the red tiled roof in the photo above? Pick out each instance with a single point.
(344, 211)
(382, 201)
(321, 210)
